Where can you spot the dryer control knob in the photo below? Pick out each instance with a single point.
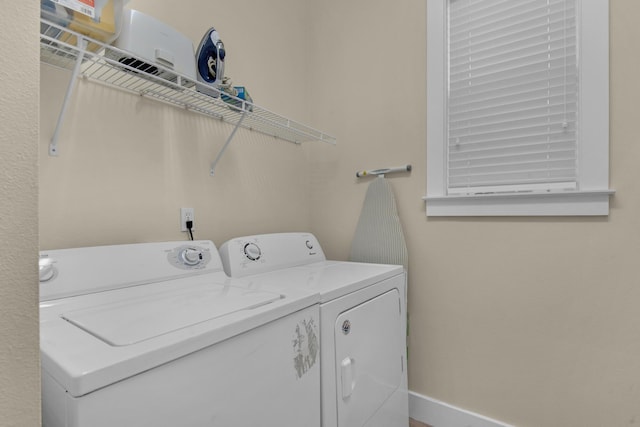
(309, 244)
(191, 256)
(252, 251)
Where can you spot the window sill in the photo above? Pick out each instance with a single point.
(578, 203)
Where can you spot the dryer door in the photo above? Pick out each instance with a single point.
(369, 362)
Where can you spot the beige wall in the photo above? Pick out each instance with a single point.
(127, 164)
(530, 321)
(19, 355)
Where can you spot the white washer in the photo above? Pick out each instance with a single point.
(157, 335)
(362, 324)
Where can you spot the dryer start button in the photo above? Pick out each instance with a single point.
(346, 327)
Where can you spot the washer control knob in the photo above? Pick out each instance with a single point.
(252, 251)
(46, 269)
(309, 244)
(191, 256)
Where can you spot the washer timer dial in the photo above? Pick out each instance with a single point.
(191, 256)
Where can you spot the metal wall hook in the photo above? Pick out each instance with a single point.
(383, 171)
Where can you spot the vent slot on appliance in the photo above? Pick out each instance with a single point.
(139, 65)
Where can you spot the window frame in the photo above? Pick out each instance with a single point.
(593, 193)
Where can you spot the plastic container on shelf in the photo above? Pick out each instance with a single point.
(100, 20)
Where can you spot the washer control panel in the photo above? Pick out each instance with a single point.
(79, 271)
(189, 257)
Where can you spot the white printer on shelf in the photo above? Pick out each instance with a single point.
(144, 38)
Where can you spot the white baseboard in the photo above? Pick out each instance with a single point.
(441, 414)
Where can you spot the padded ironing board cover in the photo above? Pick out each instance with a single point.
(379, 237)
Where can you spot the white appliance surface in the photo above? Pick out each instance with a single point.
(138, 318)
(283, 252)
(156, 334)
(381, 376)
(152, 40)
(333, 279)
(362, 329)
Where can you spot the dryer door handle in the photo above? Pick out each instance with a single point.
(348, 376)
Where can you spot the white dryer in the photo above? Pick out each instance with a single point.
(157, 335)
(362, 324)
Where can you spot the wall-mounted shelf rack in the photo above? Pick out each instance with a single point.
(66, 49)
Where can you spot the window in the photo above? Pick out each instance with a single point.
(517, 107)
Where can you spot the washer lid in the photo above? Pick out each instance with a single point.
(90, 341)
(138, 319)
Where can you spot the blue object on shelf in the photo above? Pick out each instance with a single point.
(242, 93)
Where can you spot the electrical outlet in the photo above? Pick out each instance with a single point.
(186, 214)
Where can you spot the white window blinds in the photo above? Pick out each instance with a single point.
(512, 86)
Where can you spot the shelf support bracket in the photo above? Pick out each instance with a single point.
(53, 144)
(226, 144)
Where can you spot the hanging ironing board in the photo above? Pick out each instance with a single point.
(379, 237)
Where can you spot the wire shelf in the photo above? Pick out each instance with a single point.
(106, 64)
